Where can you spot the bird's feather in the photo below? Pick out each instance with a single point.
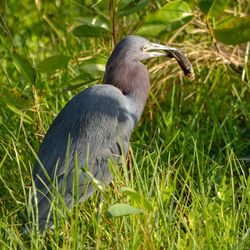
(95, 127)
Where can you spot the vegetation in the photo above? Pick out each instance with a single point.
(186, 184)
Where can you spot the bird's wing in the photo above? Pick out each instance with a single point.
(92, 126)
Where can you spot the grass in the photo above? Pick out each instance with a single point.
(189, 154)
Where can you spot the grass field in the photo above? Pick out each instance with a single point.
(189, 160)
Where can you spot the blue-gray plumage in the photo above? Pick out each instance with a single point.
(95, 126)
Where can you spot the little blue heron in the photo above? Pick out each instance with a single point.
(93, 128)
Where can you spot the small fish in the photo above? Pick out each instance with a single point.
(184, 63)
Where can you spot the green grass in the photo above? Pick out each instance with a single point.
(189, 156)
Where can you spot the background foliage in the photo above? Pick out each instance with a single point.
(189, 162)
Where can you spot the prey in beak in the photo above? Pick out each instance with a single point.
(155, 50)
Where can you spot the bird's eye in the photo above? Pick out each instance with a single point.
(145, 48)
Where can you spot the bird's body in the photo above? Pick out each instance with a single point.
(94, 123)
(94, 127)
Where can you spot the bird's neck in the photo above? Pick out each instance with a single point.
(133, 80)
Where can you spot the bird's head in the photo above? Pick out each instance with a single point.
(127, 54)
(137, 48)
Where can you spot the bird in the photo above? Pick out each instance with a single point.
(93, 128)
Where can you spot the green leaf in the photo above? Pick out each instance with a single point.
(90, 31)
(217, 7)
(94, 67)
(132, 193)
(205, 5)
(81, 78)
(138, 198)
(94, 20)
(132, 7)
(121, 209)
(175, 12)
(53, 63)
(233, 30)
(20, 114)
(170, 12)
(191, 3)
(151, 29)
(84, 78)
(24, 67)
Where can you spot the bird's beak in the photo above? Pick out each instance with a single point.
(155, 46)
